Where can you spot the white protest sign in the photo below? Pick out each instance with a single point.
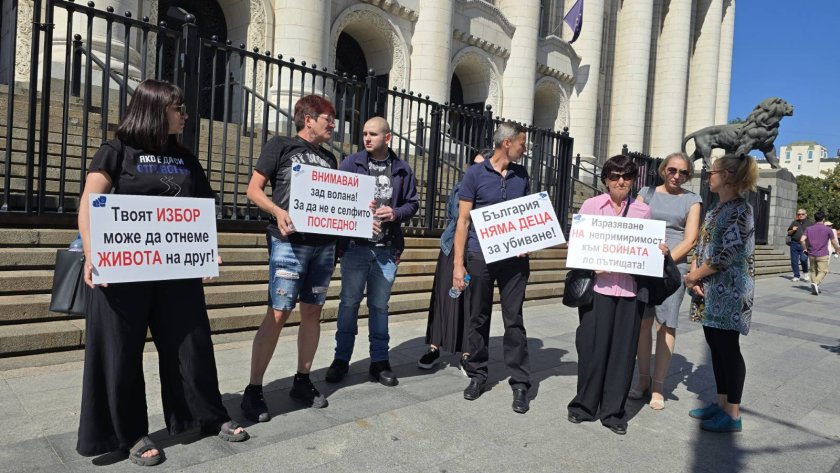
(331, 202)
(142, 238)
(616, 244)
(516, 226)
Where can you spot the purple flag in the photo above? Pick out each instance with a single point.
(575, 19)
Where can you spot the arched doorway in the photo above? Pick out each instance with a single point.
(350, 59)
(210, 20)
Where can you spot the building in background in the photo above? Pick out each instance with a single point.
(805, 158)
(642, 73)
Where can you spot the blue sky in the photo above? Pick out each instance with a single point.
(790, 50)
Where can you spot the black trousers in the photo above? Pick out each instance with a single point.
(113, 413)
(606, 342)
(727, 362)
(511, 275)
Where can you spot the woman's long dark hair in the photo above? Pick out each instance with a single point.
(144, 125)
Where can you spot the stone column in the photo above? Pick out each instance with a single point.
(583, 103)
(630, 76)
(431, 46)
(703, 76)
(521, 69)
(727, 38)
(672, 57)
(301, 31)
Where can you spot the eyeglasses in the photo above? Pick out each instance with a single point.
(682, 172)
(329, 118)
(627, 176)
(180, 108)
(504, 188)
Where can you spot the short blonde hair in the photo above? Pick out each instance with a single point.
(664, 164)
(743, 171)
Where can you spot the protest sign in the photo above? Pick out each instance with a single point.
(516, 226)
(616, 244)
(142, 238)
(331, 202)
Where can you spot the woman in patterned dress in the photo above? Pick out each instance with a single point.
(723, 273)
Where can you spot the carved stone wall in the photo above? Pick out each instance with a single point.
(375, 22)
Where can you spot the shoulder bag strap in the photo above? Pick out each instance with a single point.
(626, 207)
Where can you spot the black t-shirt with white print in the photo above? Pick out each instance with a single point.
(275, 163)
(381, 171)
(134, 171)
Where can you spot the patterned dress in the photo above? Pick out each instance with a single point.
(727, 243)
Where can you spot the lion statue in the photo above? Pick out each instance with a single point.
(758, 131)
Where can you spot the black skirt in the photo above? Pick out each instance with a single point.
(447, 327)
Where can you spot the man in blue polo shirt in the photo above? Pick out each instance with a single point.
(495, 180)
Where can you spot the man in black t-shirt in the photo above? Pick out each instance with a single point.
(300, 265)
(797, 253)
(373, 262)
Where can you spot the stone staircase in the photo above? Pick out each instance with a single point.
(236, 300)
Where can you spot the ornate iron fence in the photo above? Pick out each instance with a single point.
(81, 79)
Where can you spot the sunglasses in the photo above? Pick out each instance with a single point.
(627, 176)
(181, 108)
(681, 172)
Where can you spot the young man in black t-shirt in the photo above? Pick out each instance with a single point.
(797, 253)
(300, 265)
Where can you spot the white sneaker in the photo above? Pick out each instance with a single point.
(795, 279)
(815, 290)
(806, 278)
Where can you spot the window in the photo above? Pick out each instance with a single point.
(810, 156)
(799, 157)
(787, 155)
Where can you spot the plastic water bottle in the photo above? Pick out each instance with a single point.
(454, 292)
(77, 244)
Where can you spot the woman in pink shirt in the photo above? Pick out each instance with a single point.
(608, 333)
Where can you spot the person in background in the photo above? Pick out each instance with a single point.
(373, 262)
(723, 273)
(113, 412)
(300, 265)
(816, 239)
(680, 210)
(446, 327)
(797, 253)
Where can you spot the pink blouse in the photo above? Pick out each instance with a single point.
(614, 284)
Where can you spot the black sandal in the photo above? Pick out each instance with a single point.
(228, 433)
(142, 446)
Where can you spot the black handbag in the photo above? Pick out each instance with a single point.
(578, 288)
(579, 284)
(69, 291)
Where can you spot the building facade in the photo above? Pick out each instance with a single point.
(642, 73)
(806, 158)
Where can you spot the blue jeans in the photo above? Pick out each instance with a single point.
(376, 267)
(797, 257)
(298, 270)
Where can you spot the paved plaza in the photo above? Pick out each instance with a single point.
(791, 406)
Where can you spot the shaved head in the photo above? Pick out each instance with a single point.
(379, 124)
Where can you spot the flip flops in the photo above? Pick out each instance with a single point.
(135, 454)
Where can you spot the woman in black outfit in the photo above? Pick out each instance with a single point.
(146, 159)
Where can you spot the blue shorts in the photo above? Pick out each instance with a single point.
(296, 270)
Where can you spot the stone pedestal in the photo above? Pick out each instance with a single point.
(783, 195)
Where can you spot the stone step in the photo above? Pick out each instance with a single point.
(40, 280)
(34, 307)
(69, 334)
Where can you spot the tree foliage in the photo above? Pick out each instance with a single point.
(821, 194)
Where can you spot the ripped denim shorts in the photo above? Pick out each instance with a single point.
(296, 270)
